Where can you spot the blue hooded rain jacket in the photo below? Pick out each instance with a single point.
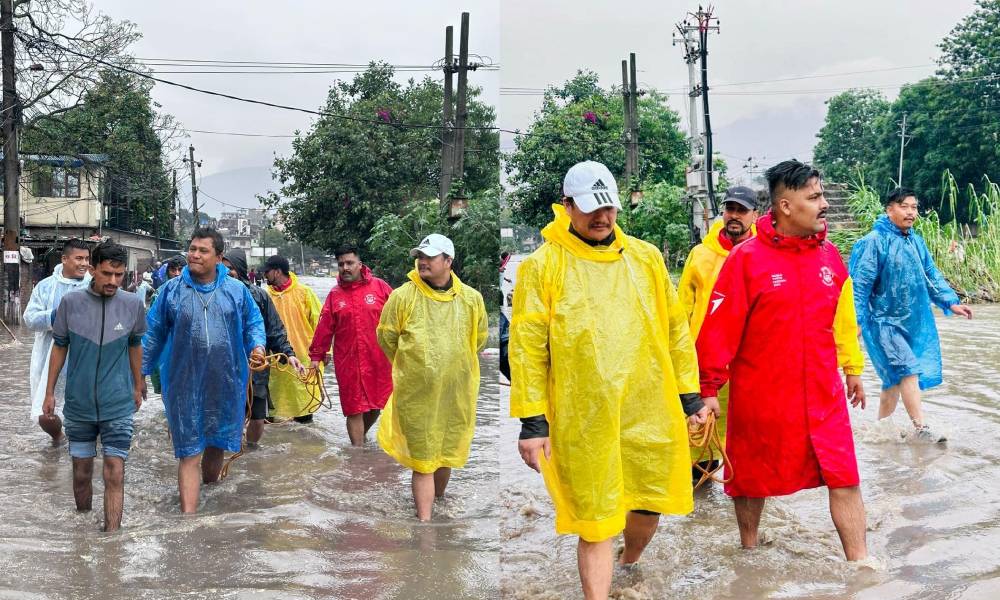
(200, 336)
(895, 282)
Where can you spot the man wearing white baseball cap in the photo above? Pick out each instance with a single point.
(432, 329)
(603, 372)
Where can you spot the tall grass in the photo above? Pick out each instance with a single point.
(969, 259)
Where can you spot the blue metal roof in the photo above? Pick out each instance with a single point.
(64, 161)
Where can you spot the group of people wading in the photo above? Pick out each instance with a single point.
(412, 352)
(610, 363)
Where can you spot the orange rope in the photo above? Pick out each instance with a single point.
(312, 379)
(706, 439)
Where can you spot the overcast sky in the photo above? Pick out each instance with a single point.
(546, 42)
(292, 31)
(543, 42)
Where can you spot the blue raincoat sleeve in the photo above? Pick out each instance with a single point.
(155, 341)
(864, 268)
(38, 314)
(940, 292)
(254, 333)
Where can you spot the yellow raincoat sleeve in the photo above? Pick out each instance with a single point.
(845, 332)
(682, 352)
(483, 329)
(390, 324)
(529, 343)
(313, 309)
(686, 290)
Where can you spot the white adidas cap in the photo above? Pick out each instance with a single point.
(433, 245)
(591, 186)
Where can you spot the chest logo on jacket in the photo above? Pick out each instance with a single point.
(369, 298)
(826, 274)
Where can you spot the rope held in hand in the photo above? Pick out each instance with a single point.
(705, 437)
(312, 379)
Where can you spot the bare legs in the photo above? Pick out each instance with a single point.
(359, 424)
(909, 389)
(846, 509)
(189, 479)
(255, 431)
(114, 488)
(594, 559)
(426, 487)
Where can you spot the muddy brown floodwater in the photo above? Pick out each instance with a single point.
(933, 511)
(305, 516)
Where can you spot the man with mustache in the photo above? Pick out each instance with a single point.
(432, 329)
(603, 372)
(72, 274)
(701, 269)
(895, 282)
(781, 322)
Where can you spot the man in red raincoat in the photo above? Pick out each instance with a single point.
(780, 322)
(349, 318)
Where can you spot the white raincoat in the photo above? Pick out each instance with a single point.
(38, 317)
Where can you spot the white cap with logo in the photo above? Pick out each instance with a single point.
(433, 245)
(591, 186)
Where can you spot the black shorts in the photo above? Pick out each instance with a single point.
(261, 405)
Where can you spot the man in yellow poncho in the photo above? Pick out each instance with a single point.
(299, 310)
(432, 329)
(701, 269)
(603, 371)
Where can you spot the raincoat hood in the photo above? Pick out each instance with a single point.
(238, 259)
(366, 276)
(770, 236)
(440, 295)
(221, 273)
(58, 274)
(293, 282)
(558, 233)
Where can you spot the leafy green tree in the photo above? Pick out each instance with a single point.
(365, 159)
(476, 236)
(662, 219)
(581, 121)
(850, 138)
(118, 118)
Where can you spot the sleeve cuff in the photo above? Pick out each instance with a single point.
(691, 403)
(708, 391)
(853, 370)
(534, 427)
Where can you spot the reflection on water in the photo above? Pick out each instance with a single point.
(305, 516)
(933, 512)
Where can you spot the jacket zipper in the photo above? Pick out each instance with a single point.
(100, 348)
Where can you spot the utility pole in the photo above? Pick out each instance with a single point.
(630, 94)
(461, 109)
(173, 216)
(903, 139)
(194, 185)
(447, 142)
(633, 110)
(693, 33)
(11, 283)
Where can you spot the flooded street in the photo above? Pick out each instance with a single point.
(933, 511)
(304, 516)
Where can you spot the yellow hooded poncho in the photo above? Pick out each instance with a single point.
(432, 339)
(600, 345)
(299, 310)
(701, 269)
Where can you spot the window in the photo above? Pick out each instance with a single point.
(56, 182)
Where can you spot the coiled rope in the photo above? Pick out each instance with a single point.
(312, 379)
(705, 437)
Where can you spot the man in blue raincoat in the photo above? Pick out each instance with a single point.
(895, 282)
(202, 329)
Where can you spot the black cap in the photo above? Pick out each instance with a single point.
(276, 262)
(743, 196)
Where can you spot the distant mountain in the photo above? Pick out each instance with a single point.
(236, 188)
